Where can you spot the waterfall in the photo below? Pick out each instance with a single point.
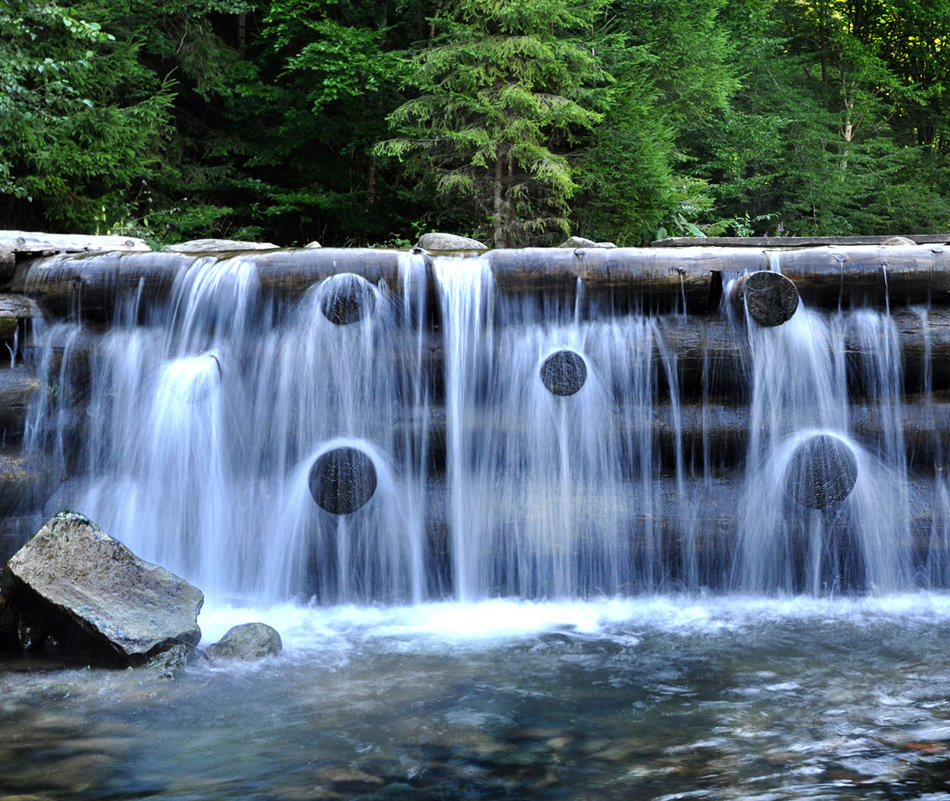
(464, 428)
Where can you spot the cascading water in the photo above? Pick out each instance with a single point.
(821, 512)
(228, 434)
(679, 555)
(204, 424)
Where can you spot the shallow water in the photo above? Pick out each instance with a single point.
(661, 698)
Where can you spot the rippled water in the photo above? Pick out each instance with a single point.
(661, 698)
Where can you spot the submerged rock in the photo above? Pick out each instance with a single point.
(437, 241)
(246, 643)
(80, 593)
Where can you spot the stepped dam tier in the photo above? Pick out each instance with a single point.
(375, 426)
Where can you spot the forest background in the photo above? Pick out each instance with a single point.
(367, 122)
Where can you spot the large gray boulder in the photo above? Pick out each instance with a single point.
(81, 594)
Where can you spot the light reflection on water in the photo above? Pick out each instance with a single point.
(660, 698)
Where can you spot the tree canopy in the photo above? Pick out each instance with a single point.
(359, 122)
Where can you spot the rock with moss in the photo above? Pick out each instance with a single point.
(246, 643)
(79, 594)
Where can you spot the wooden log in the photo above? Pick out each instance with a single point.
(39, 242)
(7, 265)
(88, 286)
(877, 277)
(21, 483)
(769, 298)
(18, 388)
(15, 312)
(628, 278)
(776, 242)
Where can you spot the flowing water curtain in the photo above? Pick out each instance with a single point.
(820, 511)
(166, 403)
(334, 376)
(554, 507)
(466, 300)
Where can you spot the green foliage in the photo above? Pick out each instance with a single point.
(81, 121)
(354, 122)
(503, 87)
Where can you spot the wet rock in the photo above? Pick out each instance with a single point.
(313, 244)
(83, 593)
(822, 472)
(564, 372)
(347, 298)
(898, 241)
(342, 480)
(216, 245)
(168, 662)
(581, 242)
(769, 297)
(350, 780)
(15, 311)
(18, 388)
(438, 241)
(247, 643)
(20, 482)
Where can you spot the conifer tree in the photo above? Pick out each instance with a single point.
(504, 90)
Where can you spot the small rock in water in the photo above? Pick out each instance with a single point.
(247, 643)
(822, 472)
(564, 372)
(342, 480)
(75, 588)
(898, 241)
(167, 662)
(438, 241)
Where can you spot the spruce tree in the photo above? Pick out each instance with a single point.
(504, 90)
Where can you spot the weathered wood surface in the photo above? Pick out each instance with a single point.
(608, 280)
(17, 390)
(39, 242)
(14, 311)
(791, 241)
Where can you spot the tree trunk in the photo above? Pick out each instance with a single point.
(498, 203)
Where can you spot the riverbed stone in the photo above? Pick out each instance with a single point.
(440, 241)
(78, 590)
(246, 642)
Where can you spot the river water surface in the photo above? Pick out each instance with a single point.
(670, 697)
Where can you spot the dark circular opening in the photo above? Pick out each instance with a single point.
(822, 472)
(342, 480)
(347, 298)
(564, 372)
